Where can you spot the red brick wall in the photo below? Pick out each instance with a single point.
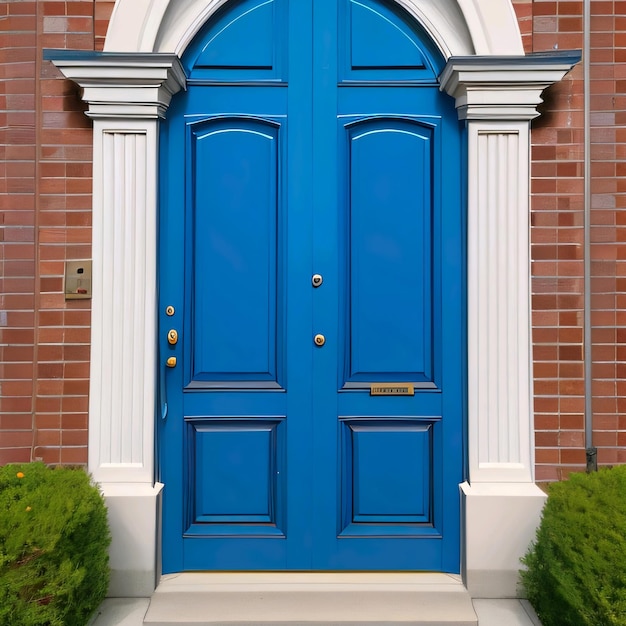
(45, 204)
(608, 204)
(558, 238)
(45, 182)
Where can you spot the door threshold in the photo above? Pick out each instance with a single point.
(311, 599)
(195, 581)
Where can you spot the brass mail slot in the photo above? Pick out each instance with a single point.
(392, 389)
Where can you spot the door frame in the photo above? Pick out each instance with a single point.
(496, 88)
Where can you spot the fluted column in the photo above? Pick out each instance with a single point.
(127, 95)
(500, 365)
(122, 395)
(498, 97)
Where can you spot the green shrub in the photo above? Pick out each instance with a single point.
(53, 546)
(576, 568)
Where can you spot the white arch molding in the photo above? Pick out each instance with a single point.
(496, 89)
(459, 27)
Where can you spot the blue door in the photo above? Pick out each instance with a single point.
(312, 268)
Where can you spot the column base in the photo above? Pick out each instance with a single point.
(134, 520)
(499, 523)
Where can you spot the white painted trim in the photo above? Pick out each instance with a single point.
(459, 27)
(500, 88)
(493, 27)
(123, 327)
(499, 522)
(127, 94)
(498, 97)
(498, 282)
(125, 86)
(134, 511)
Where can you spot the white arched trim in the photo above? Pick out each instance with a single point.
(459, 27)
(496, 89)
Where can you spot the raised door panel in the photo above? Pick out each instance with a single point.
(395, 49)
(398, 54)
(387, 476)
(247, 44)
(235, 207)
(389, 233)
(235, 476)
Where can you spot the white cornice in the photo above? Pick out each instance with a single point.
(133, 85)
(507, 87)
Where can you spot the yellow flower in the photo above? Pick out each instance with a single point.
(28, 508)
(20, 474)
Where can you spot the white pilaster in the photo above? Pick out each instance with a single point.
(499, 368)
(122, 394)
(127, 94)
(498, 96)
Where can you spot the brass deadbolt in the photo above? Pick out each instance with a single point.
(316, 280)
(172, 337)
(319, 340)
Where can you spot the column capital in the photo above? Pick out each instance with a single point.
(122, 85)
(504, 87)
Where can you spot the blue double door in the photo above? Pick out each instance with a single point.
(311, 264)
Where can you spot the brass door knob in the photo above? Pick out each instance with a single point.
(319, 340)
(171, 362)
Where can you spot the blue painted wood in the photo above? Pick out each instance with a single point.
(396, 490)
(395, 47)
(234, 473)
(234, 211)
(236, 480)
(244, 41)
(390, 204)
(402, 53)
(274, 456)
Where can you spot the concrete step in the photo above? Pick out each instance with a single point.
(310, 599)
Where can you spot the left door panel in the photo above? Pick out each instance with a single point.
(232, 266)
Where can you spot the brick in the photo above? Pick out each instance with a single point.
(74, 455)
(14, 455)
(573, 456)
(49, 455)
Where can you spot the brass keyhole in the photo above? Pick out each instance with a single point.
(316, 280)
(319, 340)
(169, 311)
(172, 337)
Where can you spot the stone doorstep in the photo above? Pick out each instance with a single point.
(310, 599)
